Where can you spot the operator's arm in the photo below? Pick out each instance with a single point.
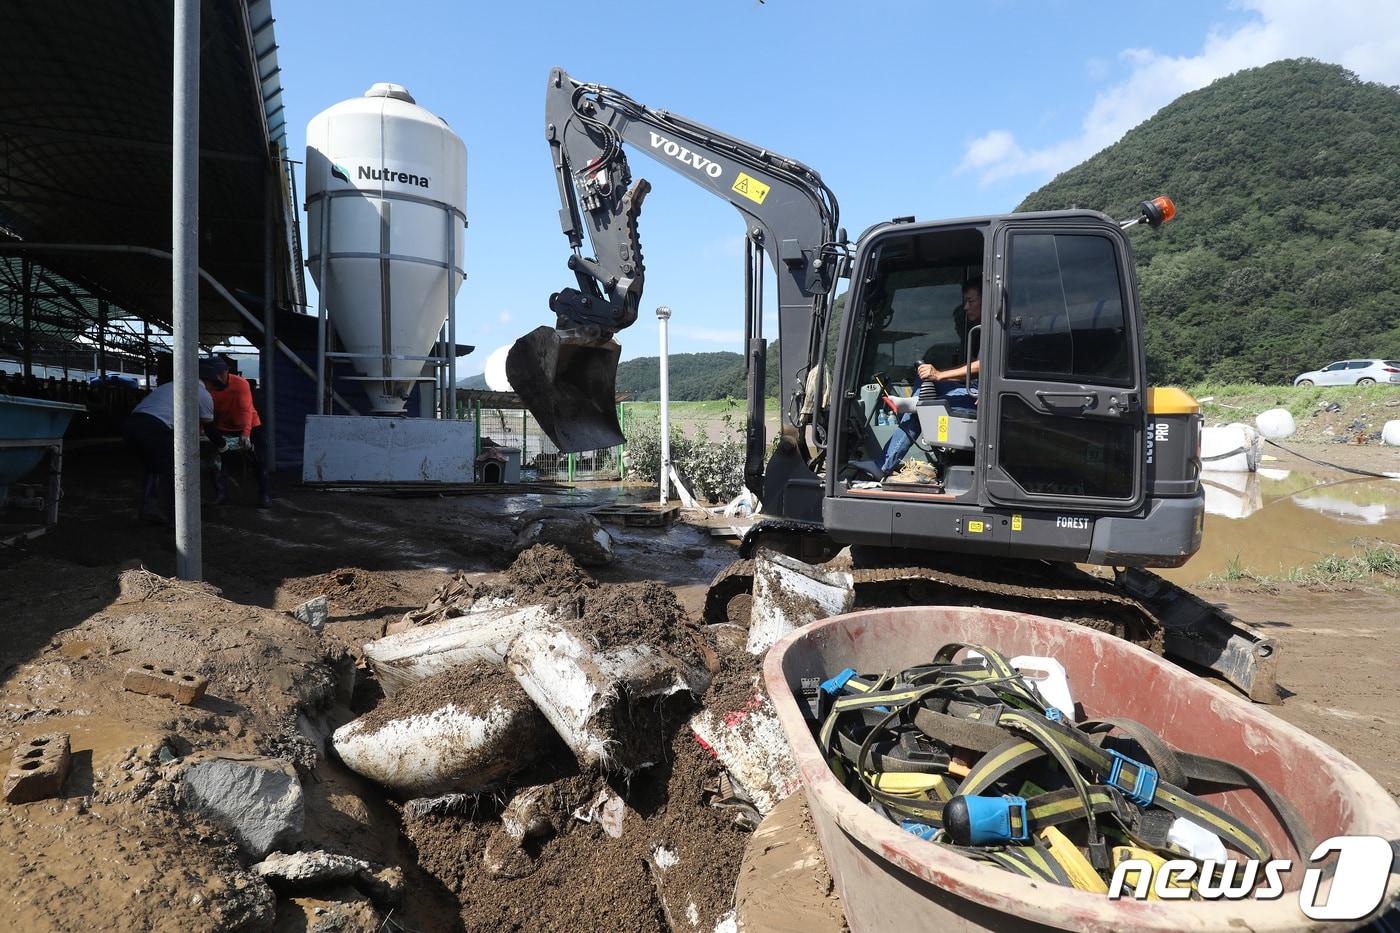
(959, 372)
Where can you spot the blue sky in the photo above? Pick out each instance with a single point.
(931, 109)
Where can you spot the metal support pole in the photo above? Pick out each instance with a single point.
(324, 247)
(452, 315)
(440, 368)
(663, 315)
(145, 353)
(102, 338)
(184, 237)
(27, 306)
(268, 358)
(477, 429)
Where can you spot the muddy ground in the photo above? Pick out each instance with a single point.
(113, 852)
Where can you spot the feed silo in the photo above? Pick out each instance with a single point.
(386, 190)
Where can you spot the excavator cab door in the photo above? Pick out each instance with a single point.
(1063, 372)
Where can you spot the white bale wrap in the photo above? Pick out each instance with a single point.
(1275, 424)
(485, 636)
(450, 749)
(1390, 434)
(749, 742)
(1231, 448)
(787, 594)
(603, 703)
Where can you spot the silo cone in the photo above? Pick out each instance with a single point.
(394, 179)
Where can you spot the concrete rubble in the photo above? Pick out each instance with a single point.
(259, 799)
(306, 871)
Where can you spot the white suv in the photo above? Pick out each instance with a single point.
(1352, 373)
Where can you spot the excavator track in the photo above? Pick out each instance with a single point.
(1137, 605)
(1058, 593)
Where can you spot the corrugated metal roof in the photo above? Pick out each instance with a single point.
(85, 144)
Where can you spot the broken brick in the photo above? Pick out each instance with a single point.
(38, 768)
(165, 682)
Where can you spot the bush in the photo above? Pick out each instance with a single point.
(714, 468)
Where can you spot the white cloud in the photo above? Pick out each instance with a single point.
(1362, 35)
(505, 317)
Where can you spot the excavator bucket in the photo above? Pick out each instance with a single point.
(570, 386)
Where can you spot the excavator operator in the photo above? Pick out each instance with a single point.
(953, 384)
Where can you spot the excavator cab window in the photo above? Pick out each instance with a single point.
(911, 312)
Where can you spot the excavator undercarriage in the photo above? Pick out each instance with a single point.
(770, 591)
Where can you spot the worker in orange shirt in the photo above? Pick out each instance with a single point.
(232, 428)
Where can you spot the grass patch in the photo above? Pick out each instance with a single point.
(1250, 399)
(1369, 565)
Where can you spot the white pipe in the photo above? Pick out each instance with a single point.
(184, 282)
(663, 314)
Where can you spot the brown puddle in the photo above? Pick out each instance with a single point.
(1278, 519)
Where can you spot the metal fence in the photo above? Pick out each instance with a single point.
(539, 458)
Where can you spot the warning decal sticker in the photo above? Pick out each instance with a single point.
(751, 188)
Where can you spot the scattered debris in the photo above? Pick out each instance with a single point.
(179, 686)
(749, 742)
(450, 599)
(464, 730)
(38, 768)
(313, 612)
(259, 799)
(607, 809)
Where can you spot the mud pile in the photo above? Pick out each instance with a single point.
(580, 878)
(646, 613)
(166, 861)
(648, 837)
(351, 590)
(542, 573)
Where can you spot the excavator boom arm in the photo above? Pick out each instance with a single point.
(790, 214)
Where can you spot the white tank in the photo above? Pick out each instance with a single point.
(395, 179)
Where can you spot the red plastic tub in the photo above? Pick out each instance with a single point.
(891, 880)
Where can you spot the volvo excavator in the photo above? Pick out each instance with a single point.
(1067, 457)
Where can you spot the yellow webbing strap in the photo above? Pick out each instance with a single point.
(1067, 855)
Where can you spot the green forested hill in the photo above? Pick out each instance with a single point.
(1285, 253)
(692, 376)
